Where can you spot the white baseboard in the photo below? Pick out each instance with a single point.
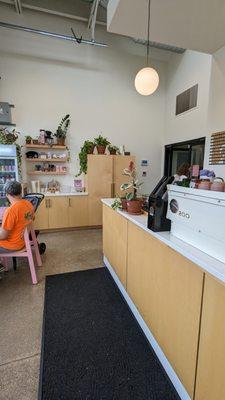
(161, 356)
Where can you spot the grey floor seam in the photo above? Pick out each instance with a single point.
(20, 359)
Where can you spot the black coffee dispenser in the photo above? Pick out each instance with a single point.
(157, 206)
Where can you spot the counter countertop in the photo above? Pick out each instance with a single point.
(65, 194)
(198, 257)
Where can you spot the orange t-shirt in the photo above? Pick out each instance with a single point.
(15, 220)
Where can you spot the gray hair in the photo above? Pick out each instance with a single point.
(13, 188)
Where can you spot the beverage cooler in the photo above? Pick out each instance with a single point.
(8, 168)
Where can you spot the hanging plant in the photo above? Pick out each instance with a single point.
(7, 137)
(87, 148)
(19, 159)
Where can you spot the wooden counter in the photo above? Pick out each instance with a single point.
(181, 304)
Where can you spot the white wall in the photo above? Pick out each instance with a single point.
(47, 78)
(185, 71)
(208, 117)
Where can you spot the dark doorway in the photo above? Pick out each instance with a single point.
(191, 152)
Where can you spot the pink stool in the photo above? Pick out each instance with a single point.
(27, 252)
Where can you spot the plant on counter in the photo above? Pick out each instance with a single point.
(62, 130)
(113, 149)
(133, 202)
(87, 148)
(7, 137)
(28, 139)
(117, 204)
(101, 143)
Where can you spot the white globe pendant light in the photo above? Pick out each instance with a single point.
(147, 79)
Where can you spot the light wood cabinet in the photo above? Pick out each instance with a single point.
(104, 177)
(167, 290)
(119, 164)
(100, 174)
(58, 216)
(78, 211)
(41, 215)
(115, 242)
(210, 384)
(62, 212)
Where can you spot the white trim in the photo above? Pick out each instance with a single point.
(161, 356)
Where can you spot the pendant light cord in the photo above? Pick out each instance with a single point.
(148, 33)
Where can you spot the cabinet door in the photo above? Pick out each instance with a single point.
(211, 361)
(41, 215)
(58, 212)
(115, 241)
(100, 174)
(119, 164)
(167, 290)
(78, 211)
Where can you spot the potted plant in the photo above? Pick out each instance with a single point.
(113, 149)
(62, 130)
(87, 148)
(28, 139)
(124, 203)
(101, 143)
(133, 202)
(117, 205)
(35, 141)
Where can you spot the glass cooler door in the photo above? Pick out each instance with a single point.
(8, 172)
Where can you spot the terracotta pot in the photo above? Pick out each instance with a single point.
(124, 204)
(217, 186)
(61, 141)
(91, 150)
(204, 185)
(134, 207)
(101, 149)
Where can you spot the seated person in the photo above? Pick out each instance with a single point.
(15, 219)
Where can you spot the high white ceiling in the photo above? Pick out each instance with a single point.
(190, 24)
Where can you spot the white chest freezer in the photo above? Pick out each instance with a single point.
(198, 218)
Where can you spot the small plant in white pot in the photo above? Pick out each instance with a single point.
(133, 202)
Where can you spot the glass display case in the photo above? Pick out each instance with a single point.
(8, 169)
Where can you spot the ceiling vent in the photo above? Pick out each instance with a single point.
(160, 46)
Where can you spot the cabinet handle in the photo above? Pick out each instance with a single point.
(49, 203)
(46, 203)
(69, 202)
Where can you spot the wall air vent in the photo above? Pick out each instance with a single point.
(187, 100)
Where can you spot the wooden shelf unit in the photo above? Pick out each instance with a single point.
(45, 147)
(46, 173)
(47, 160)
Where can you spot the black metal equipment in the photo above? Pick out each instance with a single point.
(157, 206)
(36, 199)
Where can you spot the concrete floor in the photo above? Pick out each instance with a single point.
(21, 308)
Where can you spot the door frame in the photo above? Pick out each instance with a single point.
(168, 151)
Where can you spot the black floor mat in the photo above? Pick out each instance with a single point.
(92, 346)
